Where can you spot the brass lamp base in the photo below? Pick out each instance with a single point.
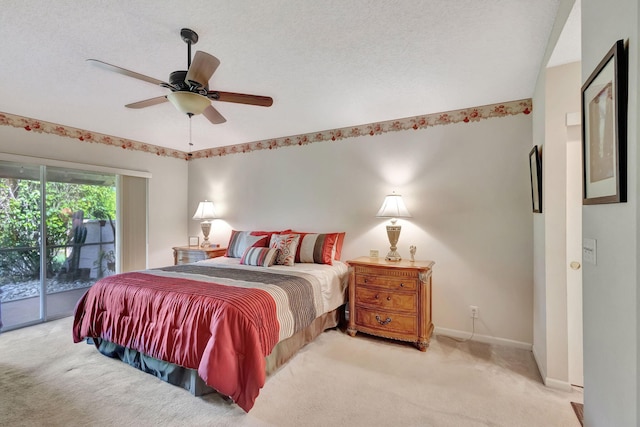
(393, 233)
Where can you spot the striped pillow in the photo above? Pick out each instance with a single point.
(317, 248)
(286, 245)
(241, 240)
(259, 257)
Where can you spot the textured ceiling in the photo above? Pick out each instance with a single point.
(327, 64)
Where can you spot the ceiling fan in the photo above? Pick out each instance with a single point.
(190, 92)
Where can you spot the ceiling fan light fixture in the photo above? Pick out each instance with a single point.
(189, 102)
(190, 92)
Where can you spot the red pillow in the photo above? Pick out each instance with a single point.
(265, 233)
(339, 242)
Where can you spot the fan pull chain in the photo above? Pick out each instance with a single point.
(190, 135)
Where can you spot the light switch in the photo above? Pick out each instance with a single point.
(589, 251)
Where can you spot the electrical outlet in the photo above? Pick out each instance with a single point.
(474, 311)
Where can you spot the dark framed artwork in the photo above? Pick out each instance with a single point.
(604, 130)
(535, 172)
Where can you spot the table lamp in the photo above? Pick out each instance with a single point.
(205, 213)
(393, 207)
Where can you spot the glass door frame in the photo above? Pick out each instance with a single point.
(120, 173)
(46, 248)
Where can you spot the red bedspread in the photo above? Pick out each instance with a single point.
(224, 332)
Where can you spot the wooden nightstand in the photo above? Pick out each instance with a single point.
(187, 254)
(391, 299)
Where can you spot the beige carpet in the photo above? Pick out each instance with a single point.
(47, 380)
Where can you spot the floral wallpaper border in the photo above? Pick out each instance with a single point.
(33, 125)
(466, 115)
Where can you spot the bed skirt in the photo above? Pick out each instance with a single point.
(189, 379)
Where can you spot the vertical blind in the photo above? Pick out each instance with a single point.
(132, 230)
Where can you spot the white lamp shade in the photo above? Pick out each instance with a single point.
(189, 102)
(205, 211)
(393, 207)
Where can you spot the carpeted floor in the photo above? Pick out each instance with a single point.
(47, 380)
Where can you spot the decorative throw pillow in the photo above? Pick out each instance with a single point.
(241, 240)
(286, 245)
(317, 248)
(259, 257)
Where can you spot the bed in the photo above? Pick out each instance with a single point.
(230, 321)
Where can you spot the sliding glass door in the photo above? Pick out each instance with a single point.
(20, 254)
(57, 237)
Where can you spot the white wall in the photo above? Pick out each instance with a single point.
(610, 288)
(562, 97)
(539, 237)
(167, 187)
(548, 239)
(466, 185)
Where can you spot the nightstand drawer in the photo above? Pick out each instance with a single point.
(384, 281)
(381, 320)
(189, 254)
(387, 300)
(186, 257)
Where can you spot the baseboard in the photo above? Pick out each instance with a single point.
(541, 368)
(482, 338)
(557, 384)
(549, 382)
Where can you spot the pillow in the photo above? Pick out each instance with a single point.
(241, 240)
(286, 245)
(267, 234)
(316, 248)
(259, 257)
(338, 247)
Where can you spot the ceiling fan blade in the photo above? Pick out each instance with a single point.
(241, 98)
(213, 115)
(202, 68)
(147, 102)
(125, 72)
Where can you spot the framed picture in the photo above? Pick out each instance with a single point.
(194, 241)
(535, 171)
(604, 130)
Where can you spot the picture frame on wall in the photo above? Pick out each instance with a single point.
(535, 172)
(604, 130)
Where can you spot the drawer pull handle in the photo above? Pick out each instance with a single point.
(383, 322)
(389, 298)
(402, 285)
(365, 280)
(377, 296)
